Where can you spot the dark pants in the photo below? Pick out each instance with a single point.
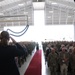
(73, 71)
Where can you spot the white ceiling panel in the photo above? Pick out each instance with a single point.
(56, 11)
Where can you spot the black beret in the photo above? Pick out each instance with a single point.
(4, 34)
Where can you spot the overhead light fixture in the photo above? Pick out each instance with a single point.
(25, 12)
(54, 3)
(21, 4)
(50, 11)
(49, 16)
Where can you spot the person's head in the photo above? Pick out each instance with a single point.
(62, 45)
(53, 50)
(63, 49)
(4, 36)
(48, 45)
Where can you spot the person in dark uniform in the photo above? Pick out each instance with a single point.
(8, 53)
(48, 50)
(72, 61)
(37, 46)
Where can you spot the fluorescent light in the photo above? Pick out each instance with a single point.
(25, 12)
(50, 11)
(54, 3)
(21, 4)
(49, 16)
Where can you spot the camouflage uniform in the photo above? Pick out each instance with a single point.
(64, 61)
(52, 60)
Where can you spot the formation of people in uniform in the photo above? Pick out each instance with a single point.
(60, 57)
(60, 61)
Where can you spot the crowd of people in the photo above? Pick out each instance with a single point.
(60, 57)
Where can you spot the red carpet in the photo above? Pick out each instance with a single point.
(34, 67)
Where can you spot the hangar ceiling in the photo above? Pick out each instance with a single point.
(56, 11)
